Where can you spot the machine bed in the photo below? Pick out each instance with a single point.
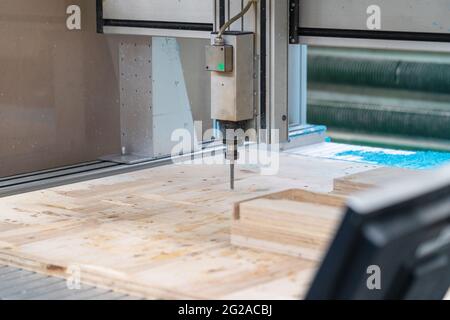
(161, 232)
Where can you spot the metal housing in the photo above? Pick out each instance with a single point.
(232, 94)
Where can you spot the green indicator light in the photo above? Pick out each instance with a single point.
(221, 67)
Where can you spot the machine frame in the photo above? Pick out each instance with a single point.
(271, 54)
(280, 26)
(113, 20)
(281, 73)
(421, 26)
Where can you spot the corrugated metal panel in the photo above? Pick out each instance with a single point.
(17, 284)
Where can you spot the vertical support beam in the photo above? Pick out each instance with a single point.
(136, 97)
(263, 69)
(298, 77)
(99, 11)
(294, 86)
(294, 19)
(279, 55)
(222, 10)
(303, 84)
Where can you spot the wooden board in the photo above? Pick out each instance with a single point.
(293, 222)
(370, 179)
(161, 233)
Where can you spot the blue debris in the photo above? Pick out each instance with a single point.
(415, 160)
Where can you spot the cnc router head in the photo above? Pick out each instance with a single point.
(230, 59)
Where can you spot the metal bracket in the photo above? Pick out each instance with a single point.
(294, 21)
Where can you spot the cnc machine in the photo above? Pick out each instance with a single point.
(156, 68)
(257, 56)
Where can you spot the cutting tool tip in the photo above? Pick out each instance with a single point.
(232, 176)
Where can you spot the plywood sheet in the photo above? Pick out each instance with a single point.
(370, 179)
(293, 222)
(161, 233)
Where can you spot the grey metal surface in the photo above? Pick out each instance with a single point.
(219, 58)
(279, 74)
(136, 91)
(423, 16)
(17, 284)
(376, 44)
(193, 11)
(232, 94)
(51, 174)
(58, 180)
(178, 33)
(59, 93)
(29, 174)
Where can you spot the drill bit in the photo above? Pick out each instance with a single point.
(232, 175)
(232, 155)
(231, 142)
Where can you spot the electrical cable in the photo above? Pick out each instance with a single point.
(235, 18)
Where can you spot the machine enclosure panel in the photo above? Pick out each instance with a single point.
(191, 11)
(410, 16)
(232, 93)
